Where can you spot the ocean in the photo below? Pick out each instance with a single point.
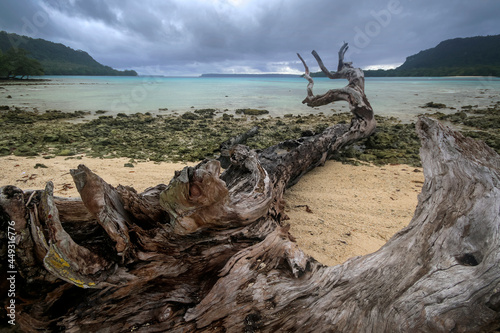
(398, 97)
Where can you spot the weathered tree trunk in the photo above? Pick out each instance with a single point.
(210, 252)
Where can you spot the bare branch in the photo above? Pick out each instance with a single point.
(342, 52)
(354, 93)
(308, 77)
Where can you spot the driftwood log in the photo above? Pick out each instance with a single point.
(210, 252)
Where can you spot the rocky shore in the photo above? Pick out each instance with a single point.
(197, 134)
(191, 136)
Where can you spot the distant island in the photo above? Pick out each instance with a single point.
(248, 75)
(472, 56)
(57, 59)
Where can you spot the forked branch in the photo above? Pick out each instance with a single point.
(363, 124)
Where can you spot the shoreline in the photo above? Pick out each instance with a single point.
(399, 97)
(198, 134)
(191, 136)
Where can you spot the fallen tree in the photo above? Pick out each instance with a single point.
(211, 251)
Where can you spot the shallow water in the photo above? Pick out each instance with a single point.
(399, 97)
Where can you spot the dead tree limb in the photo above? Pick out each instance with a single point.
(226, 146)
(363, 124)
(209, 252)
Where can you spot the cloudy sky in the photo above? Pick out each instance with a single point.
(190, 37)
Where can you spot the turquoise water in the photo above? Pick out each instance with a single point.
(400, 97)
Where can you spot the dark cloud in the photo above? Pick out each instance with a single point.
(176, 37)
(88, 9)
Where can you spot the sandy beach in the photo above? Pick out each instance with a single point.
(336, 211)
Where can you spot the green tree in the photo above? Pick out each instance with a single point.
(16, 63)
(5, 66)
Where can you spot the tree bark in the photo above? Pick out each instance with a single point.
(210, 251)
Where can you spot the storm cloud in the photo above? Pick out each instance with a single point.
(180, 37)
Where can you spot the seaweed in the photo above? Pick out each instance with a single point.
(475, 122)
(196, 135)
(252, 112)
(434, 105)
(392, 143)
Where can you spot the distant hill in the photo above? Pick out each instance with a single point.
(458, 52)
(58, 59)
(248, 75)
(472, 56)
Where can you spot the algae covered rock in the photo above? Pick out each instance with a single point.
(206, 113)
(435, 105)
(189, 115)
(25, 150)
(251, 112)
(4, 151)
(197, 134)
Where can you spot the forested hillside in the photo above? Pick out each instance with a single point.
(58, 59)
(458, 52)
(473, 56)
